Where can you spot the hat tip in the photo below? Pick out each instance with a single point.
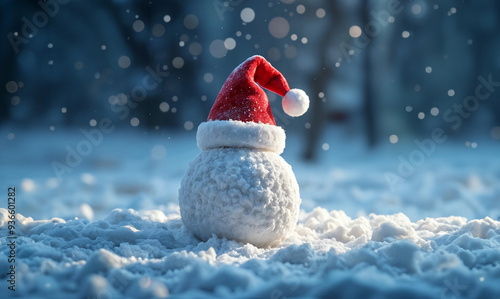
(295, 102)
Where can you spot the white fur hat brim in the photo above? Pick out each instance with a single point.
(234, 133)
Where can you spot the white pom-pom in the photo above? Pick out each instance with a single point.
(295, 102)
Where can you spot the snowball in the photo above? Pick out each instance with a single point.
(295, 102)
(246, 195)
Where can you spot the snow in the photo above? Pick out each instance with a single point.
(111, 228)
(241, 194)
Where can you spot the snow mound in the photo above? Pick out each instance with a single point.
(148, 254)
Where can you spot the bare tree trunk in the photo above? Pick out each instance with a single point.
(369, 112)
(318, 83)
(8, 60)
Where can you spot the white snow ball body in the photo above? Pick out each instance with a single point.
(249, 195)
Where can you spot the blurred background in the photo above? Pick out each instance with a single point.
(380, 74)
(382, 67)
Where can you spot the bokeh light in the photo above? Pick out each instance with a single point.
(247, 15)
(123, 62)
(279, 27)
(355, 31)
(218, 49)
(138, 26)
(191, 21)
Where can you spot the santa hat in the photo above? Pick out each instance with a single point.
(241, 115)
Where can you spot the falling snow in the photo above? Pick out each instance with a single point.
(111, 227)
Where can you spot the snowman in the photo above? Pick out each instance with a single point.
(239, 187)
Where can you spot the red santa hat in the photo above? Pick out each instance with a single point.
(241, 115)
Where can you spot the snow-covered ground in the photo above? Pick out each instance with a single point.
(111, 227)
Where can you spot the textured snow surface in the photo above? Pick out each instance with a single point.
(111, 228)
(142, 254)
(242, 194)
